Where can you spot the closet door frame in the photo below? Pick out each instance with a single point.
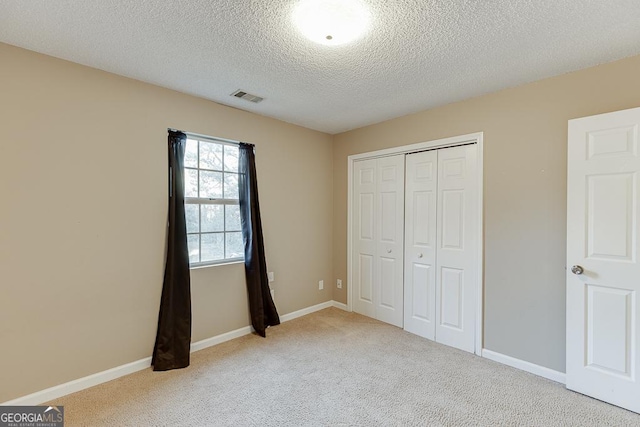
(473, 138)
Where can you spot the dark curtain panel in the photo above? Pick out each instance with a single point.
(263, 310)
(173, 340)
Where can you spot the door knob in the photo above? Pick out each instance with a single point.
(576, 269)
(420, 255)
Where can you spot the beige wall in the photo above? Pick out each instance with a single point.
(83, 181)
(525, 132)
(83, 211)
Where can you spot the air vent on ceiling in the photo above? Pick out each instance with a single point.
(244, 95)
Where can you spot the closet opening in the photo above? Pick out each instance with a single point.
(415, 239)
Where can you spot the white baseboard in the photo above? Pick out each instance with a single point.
(305, 311)
(80, 384)
(525, 366)
(339, 305)
(120, 371)
(219, 339)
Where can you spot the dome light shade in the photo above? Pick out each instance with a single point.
(331, 22)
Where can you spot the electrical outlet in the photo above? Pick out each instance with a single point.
(271, 276)
(321, 285)
(339, 283)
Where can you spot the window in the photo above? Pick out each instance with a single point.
(211, 201)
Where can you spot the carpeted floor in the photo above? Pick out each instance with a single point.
(333, 368)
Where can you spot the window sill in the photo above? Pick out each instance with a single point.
(218, 264)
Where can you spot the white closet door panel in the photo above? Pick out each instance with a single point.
(366, 273)
(420, 243)
(457, 212)
(388, 299)
(364, 236)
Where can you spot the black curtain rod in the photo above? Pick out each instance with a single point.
(211, 137)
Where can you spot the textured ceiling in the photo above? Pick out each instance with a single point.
(416, 54)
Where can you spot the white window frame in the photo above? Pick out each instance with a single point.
(211, 201)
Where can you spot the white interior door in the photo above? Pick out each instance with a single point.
(420, 243)
(378, 238)
(456, 240)
(364, 236)
(390, 245)
(603, 274)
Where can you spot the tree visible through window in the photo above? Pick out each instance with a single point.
(211, 201)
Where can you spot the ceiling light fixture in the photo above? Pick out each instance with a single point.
(331, 22)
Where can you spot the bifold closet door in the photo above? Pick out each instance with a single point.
(441, 239)
(378, 238)
(390, 242)
(457, 235)
(364, 236)
(420, 243)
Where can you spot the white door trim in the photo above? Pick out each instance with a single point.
(472, 138)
